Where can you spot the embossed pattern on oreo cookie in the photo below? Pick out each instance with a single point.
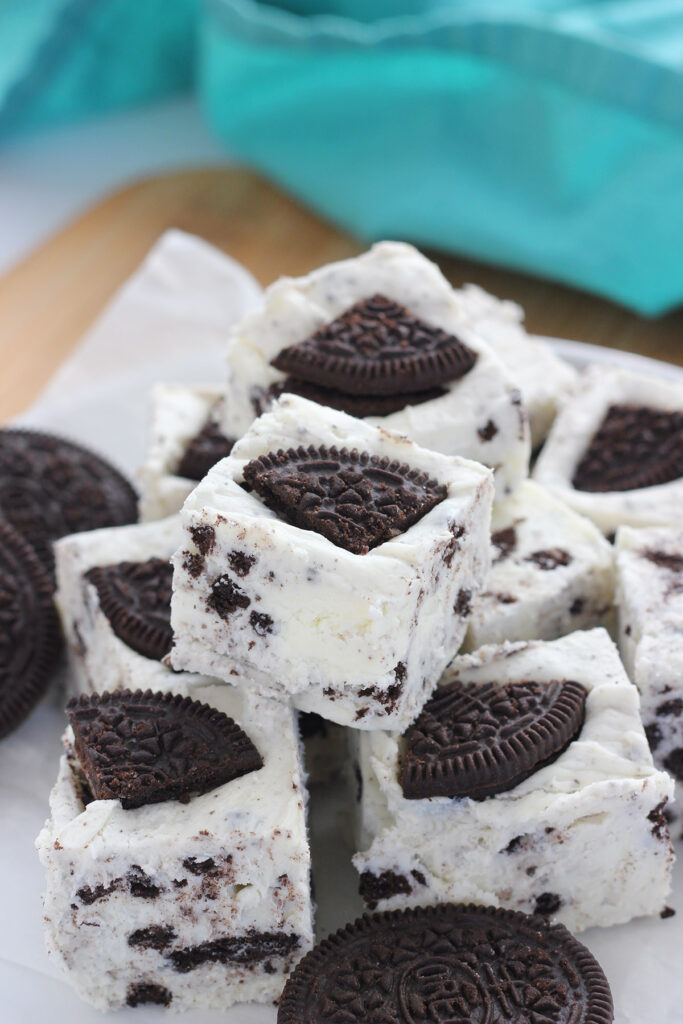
(142, 748)
(30, 638)
(50, 487)
(482, 739)
(136, 599)
(360, 406)
(446, 964)
(377, 347)
(634, 447)
(354, 499)
(207, 448)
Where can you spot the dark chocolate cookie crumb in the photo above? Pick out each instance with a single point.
(670, 708)
(241, 563)
(360, 406)
(660, 826)
(653, 734)
(136, 599)
(576, 606)
(355, 500)
(374, 888)
(550, 559)
(206, 449)
(251, 948)
(673, 763)
(226, 597)
(463, 603)
(143, 748)
(674, 563)
(204, 538)
(377, 347)
(261, 623)
(141, 885)
(548, 903)
(199, 867)
(89, 895)
(193, 563)
(667, 912)
(157, 936)
(505, 541)
(144, 992)
(488, 431)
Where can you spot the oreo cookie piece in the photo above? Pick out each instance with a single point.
(207, 448)
(377, 347)
(634, 447)
(136, 598)
(354, 499)
(482, 739)
(359, 406)
(50, 487)
(30, 637)
(142, 748)
(449, 963)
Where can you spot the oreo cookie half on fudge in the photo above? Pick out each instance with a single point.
(176, 854)
(526, 782)
(381, 337)
(447, 964)
(332, 562)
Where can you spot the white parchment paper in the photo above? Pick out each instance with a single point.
(170, 322)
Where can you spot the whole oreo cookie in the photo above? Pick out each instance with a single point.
(481, 739)
(359, 406)
(378, 347)
(136, 598)
(142, 748)
(30, 638)
(207, 448)
(50, 487)
(355, 499)
(634, 447)
(446, 964)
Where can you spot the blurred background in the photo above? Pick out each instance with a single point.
(536, 147)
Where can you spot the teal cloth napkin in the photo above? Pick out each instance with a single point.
(542, 135)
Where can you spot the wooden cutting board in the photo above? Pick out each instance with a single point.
(48, 301)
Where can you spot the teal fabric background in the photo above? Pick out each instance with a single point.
(544, 135)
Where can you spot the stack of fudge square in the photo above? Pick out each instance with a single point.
(362, 556)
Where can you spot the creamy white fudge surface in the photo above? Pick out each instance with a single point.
(199, 904)
(177, 414)
(649, 594)
(480, 417)
(544, 378)
(573, 430)
(552, 572)
(583, 839)
(359, 639)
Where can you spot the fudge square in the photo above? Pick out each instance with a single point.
(185, 903)
(330, 561)
(579, 834)
(382, 336)
(649, 596)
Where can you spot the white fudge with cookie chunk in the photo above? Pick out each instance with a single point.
(479, 415)
(583, 839)
(649, 596)
(552, 572)
(361, 639)
(653, 473)
(183, 904)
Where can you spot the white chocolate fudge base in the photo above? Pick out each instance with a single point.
(457, 423)
(577, 829)
(521, 599)
(544, 378)
(359, 639)
(574, 429)
(650, 606)
(177, 414)
(230, 865)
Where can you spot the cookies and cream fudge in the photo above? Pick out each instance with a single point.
(330, 561)
(383, 337)
(544, 378)
(526, 783)
(187, 436)
(201, 898)
(649, 594)
(615, 451)
(552, 572)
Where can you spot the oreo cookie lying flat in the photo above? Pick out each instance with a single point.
(448, 964)
(136, 598)
(30, 638)
(377, 347)
(481, 739)
(207, 448)
(354, 499)
(50, 487)
(142, 748)
(359, 406)
(634, 447)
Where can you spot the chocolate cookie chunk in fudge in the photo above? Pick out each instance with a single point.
(482, 739)
(355, 499)
(50, 487)
(204, 450)
(142, 748)
(30, 638)
(444, 964)
(355, 405)
(136, 599)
